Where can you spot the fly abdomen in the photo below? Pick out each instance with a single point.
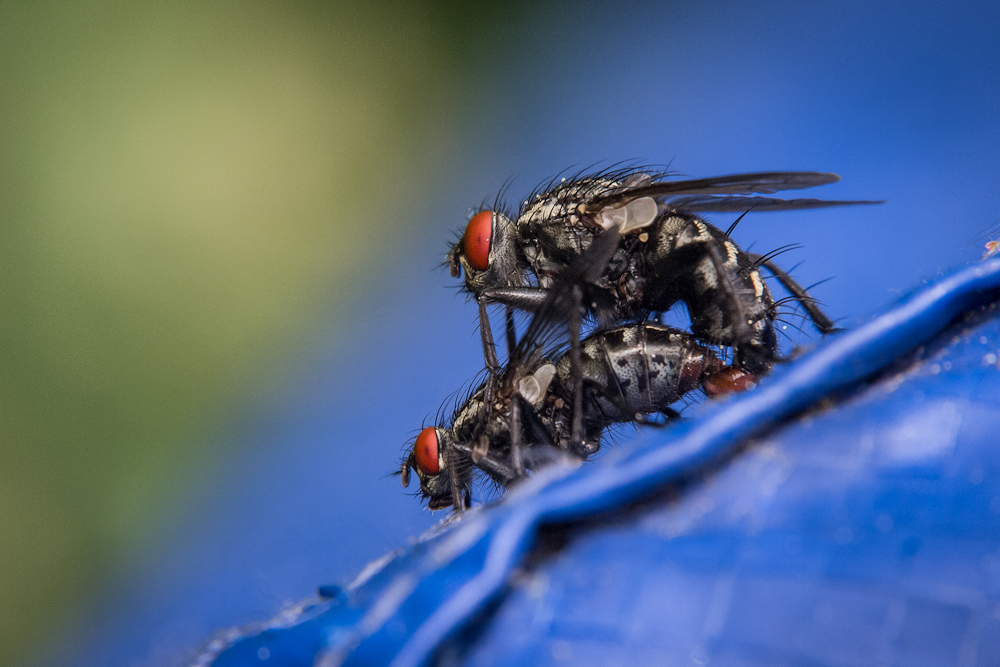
(639, 369)
(729, 303)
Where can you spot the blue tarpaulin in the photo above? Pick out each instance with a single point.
(845, 512)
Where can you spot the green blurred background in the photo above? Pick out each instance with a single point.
(186, 189)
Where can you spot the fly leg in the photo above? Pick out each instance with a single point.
(489, 350)
(482, 446)
(499, 470)
(458, 500)
(511, 331)
(493, 369)
(525, 298)
(576, 365)
(515, 437)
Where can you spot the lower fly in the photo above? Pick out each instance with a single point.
(628, 374)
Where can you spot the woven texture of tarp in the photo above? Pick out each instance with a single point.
(845, 512)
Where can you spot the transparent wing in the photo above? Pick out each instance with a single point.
(731, 203)
(767, 182)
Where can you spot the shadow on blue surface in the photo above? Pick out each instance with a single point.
(845, 512)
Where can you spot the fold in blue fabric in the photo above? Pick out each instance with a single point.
(404, 608)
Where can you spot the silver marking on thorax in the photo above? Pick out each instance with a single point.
(758, 284)
(703, 233)
(732, 252)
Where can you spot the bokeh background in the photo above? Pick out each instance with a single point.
(221, 225)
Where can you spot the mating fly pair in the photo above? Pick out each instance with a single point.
(615, 247)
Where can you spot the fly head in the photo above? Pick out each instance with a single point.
(430, 460)
(488, 253)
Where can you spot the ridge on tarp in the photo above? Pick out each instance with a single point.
(846, 511)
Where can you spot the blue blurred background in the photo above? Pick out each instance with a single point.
(222, 224)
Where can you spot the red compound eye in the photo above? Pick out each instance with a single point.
(426, 451)
(476, 241)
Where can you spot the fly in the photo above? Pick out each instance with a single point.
(663, 254)
(629, 372)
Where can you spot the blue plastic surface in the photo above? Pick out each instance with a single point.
(846, 512)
